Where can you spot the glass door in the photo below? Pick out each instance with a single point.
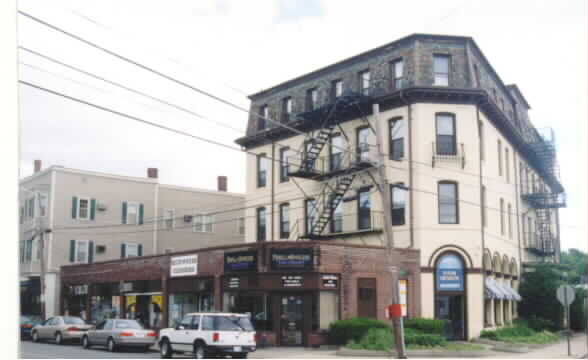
(450, 308)
(291, 320)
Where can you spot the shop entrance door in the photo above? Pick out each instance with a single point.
(291, 320)
(450, 308)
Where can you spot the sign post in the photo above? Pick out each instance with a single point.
(566, 295)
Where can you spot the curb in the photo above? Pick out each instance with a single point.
(413, 353)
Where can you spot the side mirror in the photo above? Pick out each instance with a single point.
(180, 327)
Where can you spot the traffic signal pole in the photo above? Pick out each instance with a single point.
(393, 258)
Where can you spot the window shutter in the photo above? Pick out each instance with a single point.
(92, 209)
(123, 250)
(74, 207)
(124, 212)
(90, 252)
(141, 214)
(140, 250)
(72, 251)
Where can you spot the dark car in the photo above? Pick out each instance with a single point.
(27, 322)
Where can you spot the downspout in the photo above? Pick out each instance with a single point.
(272, 190)
(410, 172)
(482, 235)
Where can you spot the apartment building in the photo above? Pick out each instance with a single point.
(88, 217)
(474, 187)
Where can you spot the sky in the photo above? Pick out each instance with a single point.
(233, 48)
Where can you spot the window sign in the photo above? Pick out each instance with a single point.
(184, 265)
(330, 281)
(241, 261)
(294, 259)
(292, 281)
(450, 273)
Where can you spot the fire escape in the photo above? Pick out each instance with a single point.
(542, 199)
(337, 172)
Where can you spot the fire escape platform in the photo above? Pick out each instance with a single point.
(321, 176)
(343, 234)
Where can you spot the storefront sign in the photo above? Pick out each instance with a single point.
(234, 283)
(403, 290)
(79, 289)
(330, 281)
(241, 261)
(125, 287)
(292, 281)
(291, 259)
(450, 279)
(184, 265)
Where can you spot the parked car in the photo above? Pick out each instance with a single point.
(117, 333)
(60, 329)
(209, 334)
(27, 322)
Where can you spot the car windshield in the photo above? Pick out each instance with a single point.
(127, 324)
(232, 323)
(29, 318)
(69, 320)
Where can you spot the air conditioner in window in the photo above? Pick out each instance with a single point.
(188, 218)
(101, 207)
(100, 249)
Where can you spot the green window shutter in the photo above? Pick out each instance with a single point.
(74, 207)
(72, 251)
(140, 250)
(90, 252)
(141, 214)
(92, 209)
(123, 251)
(124, 212)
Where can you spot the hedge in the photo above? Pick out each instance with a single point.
(427, 326)
(343, 331)
(429, 340)
(374, 339)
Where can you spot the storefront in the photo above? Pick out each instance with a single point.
(30, 296)
(143, 301)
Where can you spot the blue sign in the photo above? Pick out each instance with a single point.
(241, 261)
(450, 273)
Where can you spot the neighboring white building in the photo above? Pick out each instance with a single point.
(96, 217)
(474, 186)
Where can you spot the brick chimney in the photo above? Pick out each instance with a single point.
(222, 183)
(152, 173)
(37, 166)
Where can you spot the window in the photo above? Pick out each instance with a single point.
(241, 226)
(336, 88)
(397, 68)
(336, 152)
(398, 194)
(311, 99)
(531, 232)
(30, 206)
(262, 169)
(521, 177)
(364, 82)
(284, 221)
(81, 251)
(310, 214)
(186, 322)
(203, 223)
(441, 70)
(477, 75)
(261, 233)
(448, 207)
(132, 214)
(131, 250)
(501, 216)
(494, 94)
(43, 199)
(22, 214)
(509, 220)
(83, 209)
(169, 218)
(499, 149)
(484, 207)
(482, 142)
(28, 250)
(284, 166)
(396, 139)
(507, 164)
(262, 118)
(286, 109)
(336, 215)
(501, 104)
(446, 139)
(523, 229)
(364, 212)
(363, 146)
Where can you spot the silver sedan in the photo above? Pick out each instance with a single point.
(60, 329)
(117, 333)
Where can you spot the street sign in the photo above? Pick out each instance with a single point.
(565, 294)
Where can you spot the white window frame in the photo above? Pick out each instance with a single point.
(128, 247)
(166, 218)
(338, 88)
(30, 208)
(43, 198)
(79, 207)
(241, 223)
(76, 248)
(365, 81)
(202, 223)
(136, 205)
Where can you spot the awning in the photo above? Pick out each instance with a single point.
(504, 287)
(492, 290)
(514, 293)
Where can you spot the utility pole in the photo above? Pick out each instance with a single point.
(42, 265)
(384, 189)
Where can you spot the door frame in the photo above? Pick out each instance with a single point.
(306, 315)
(449, 293)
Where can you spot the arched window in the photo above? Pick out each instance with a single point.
(450, 273)
(448, 202)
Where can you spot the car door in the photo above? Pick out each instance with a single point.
(42, 330)
(49, 330)
(94, 334)
(181, 338)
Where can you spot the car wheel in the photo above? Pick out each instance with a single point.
(111, 345)
(200, 351)
(58, 338)
(35, 336)
(86, 342)
(165, 350)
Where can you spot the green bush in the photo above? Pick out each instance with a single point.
(343, 331)
(539, 324)
(374, 339)
(578, 311)
(489, 334)
(538, 288)
(514, 331)
(428, 340)
(427, 326)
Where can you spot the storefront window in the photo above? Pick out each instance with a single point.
(182, 304)
(257, 305)
(101, 308)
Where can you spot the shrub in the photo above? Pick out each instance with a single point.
(578, 311)
(538, 288)
(428, 340)
(427, 326)
(374, 339)
(539, 324)
(343, 331)
(514, 331)
(489, 334)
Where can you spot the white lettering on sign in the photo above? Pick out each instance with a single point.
(184, 265)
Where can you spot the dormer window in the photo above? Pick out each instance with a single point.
(441, 70)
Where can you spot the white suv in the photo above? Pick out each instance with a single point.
(209, 334)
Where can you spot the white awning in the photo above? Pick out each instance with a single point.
(504, 287)
(493, 290)
(514, 293)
